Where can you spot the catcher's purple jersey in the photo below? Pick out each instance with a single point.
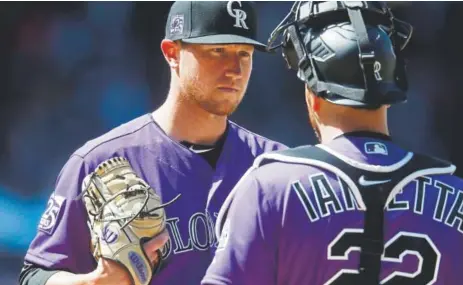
(63, 239)
(291, 223)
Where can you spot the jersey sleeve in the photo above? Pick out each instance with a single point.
(62, 241)
(247, 248)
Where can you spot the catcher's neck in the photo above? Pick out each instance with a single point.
(183, 120)
(349, 120)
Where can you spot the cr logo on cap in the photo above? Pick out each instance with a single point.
(238, 14)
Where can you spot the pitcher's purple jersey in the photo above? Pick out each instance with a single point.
(291, 223)
(63, 240)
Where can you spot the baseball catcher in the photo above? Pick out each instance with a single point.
(358, 208)
(123, 213)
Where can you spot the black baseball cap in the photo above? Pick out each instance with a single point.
(213, 22)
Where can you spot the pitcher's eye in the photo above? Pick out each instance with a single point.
(244, 54)
(218, 50)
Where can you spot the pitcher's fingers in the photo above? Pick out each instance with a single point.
(157, 242)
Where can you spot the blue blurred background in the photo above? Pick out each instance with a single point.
(70, 71)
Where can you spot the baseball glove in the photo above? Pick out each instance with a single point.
(123, 213)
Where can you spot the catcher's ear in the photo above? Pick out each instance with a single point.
(312, 100)
(171, 52)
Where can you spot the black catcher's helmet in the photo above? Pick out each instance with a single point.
(349, 53)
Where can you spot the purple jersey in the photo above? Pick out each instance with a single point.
(288, 222)
(63, 239)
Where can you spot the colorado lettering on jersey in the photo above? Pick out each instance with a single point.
(325, 201)
(200, 235)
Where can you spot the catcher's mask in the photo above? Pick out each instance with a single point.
(349, 53)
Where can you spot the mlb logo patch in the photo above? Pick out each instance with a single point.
(176, 25)
(50, 217)
(375, 148)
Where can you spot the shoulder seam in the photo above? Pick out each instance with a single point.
(109, 140)
(252, 133)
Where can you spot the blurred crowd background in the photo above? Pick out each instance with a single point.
(70, 71)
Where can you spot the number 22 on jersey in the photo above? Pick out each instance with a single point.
(395, 249)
